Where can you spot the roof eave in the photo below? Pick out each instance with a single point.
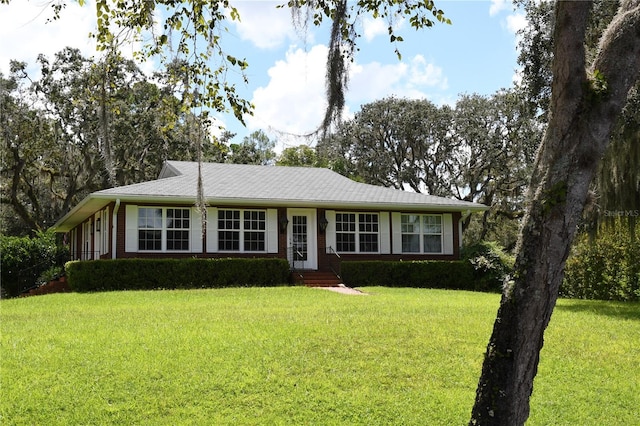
(96, 201)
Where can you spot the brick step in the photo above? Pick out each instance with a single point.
(56, 286)
(320, 279)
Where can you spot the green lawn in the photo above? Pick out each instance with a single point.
(295, 355)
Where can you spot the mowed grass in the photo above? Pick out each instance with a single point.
(295, 355)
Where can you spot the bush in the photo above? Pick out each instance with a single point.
(25, 260)
(607, 268)
(456, 275)
(491, 264)
(149, 274)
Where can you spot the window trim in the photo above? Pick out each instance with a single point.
(357, 231)
(164, 230)
(241, 231)
(421, 233)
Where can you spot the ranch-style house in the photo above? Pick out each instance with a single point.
(310, 216)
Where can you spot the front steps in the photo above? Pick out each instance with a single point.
(316, 278)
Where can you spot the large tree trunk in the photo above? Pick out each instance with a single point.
(584, 107)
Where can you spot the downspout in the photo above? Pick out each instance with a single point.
(114, 229)
(463, 217)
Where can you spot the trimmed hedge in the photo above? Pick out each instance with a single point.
(454, 275)
(149, 274)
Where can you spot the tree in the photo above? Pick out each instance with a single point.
(397, 143)
(27, 141)
(617, 183)
(84, 126)
(586, 100)
(256, 148)
(482, 150)
(300, 156)
(495, 139)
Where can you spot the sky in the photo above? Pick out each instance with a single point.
(476, 54)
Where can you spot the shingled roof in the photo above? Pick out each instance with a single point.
(249, 185)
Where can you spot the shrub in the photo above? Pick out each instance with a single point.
(24, 261)
(457, 275)
(148, 274)
(607, 268)
(491, 264)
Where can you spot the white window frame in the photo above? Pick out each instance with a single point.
(358, 231)
(241, 230)
(164, 230)
(421, 232)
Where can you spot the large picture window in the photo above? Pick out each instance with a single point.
(163, 229)
(421, 233)
(357, 232)
(248, 233)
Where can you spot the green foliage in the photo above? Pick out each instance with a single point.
(500, 228)
(458, 275)
(483, 268)
(85, 125)
(482, 150)
(301, 156)
(188, 31)
(149, 274)
(256, 148)
(607, 268)
(554, 196)
(27, 261)
(491, 264)
(618, 179)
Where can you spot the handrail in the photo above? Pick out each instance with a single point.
(332, 251)
(292, 253)
(335, 269)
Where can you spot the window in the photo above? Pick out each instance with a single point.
(345, 232)
(432, 234)
(255, 225)
(149, 229)
(362, 228)
(421, 233)
(102, 231)
(177, 229)
(251, 230)
(368, 232)
(163, 228)
(229, 230)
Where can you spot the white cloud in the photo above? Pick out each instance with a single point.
(263, 24)
(405, 79)
(516, 22)
(293, 102)
(498, 6)
(371, 28)
(25, 33)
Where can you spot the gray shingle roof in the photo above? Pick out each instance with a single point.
(247, 185)
(276, 186)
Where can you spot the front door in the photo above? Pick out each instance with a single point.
(302, 238)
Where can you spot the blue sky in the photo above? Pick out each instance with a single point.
(476, 54)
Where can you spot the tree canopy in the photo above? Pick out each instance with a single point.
(84, 126)
(481, 150)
